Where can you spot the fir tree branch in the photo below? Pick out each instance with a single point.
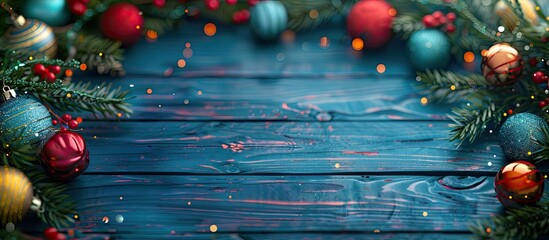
(405, 25)
(529, 222)
(299, 10)
(162, 19)
(99, 53)
(450, 87)
(471, 121)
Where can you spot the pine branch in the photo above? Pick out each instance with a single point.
(100, 53)
(299, 12)
(451, 87)
(543, 153)
(162, 19)
(405, 25)
(529, 222)
(57, 208)
(471, 121)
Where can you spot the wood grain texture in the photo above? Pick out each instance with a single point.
(178, 205)
(235, 51)
(371, 97)
(408, 147)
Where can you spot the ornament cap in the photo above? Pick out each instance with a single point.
(8, 93)
(19, 21)
(36, 205)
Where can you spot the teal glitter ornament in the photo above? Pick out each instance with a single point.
(25, 124)
(29, 38)
(268, 19)
(429, 49)
(51, 12)
(517, 135)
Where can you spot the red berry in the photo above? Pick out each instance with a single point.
(211, 4)
(429, 21)
(438, 14)
(60, 236)
(73, 124)
(252, 3)
(159, 3)
(50, 233)
(54, 69)
(78, 8)
(39, 69)
(62, 129)
(533, 61)
(451, 16)
(237, 17)
(54, 122)
(542, 104)
(84, 1)
(49, 77)
(442, 20)
(450, 28)
(66, 118)
(231, 2)
(539, 77)
(245, 15)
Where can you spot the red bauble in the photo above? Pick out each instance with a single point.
(519, 183)
(159, 3)
(122, 22)
(539, 77)
(231, 2)
(65, 156)
(371, 21)
(211, 4)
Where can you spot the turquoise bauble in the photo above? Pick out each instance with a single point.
(24, 124)
(31, 38)
(268, 19)
(52, 12)
(429, 49)
(517, 135)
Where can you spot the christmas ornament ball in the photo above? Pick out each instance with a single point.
(268, 19)
(31, 38)
(16, 194)
(65, 156)
(122, 22)
(517, 133)
(371, 21)
(429, 49)
(24, 123)
(51, 12)
(519, 183)
(501, 64)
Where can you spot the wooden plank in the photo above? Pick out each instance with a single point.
(234, 50)
(313, 99)
(407, 147)
(351, 236)
(164, 205)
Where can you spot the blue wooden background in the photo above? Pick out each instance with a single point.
(286, 140)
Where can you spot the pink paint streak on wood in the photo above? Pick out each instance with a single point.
(365, 153)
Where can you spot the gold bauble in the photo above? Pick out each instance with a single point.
(501, 64)
(16, 195)
(508, 16)
(31, 38)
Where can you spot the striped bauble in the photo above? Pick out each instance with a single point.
(31, 38)
(25, 125)
(16, 194)
(268, 19)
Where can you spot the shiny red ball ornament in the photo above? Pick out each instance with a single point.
(65, 156)
(231, 2)
(519, 183)
(371, 21)
(39, 69)
(539, 77)
(122, 22)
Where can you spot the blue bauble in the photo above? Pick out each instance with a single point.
(52, 12)
(517, 133)
(25, 124)
(32, 38)
(268, 19)
(429, 49)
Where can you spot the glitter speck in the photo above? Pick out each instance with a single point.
(381, 68)
(213, 228)
(337, 165)
(186, 101)
(199, 92)
(424, 101)
(149, 91)
(10, 227)
(131, 85)
(489, 164)
(425, 214)
(119, 218)
(105, 219)
(280, 57)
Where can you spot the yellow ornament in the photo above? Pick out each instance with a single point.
(508, 16)
(16, 195)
